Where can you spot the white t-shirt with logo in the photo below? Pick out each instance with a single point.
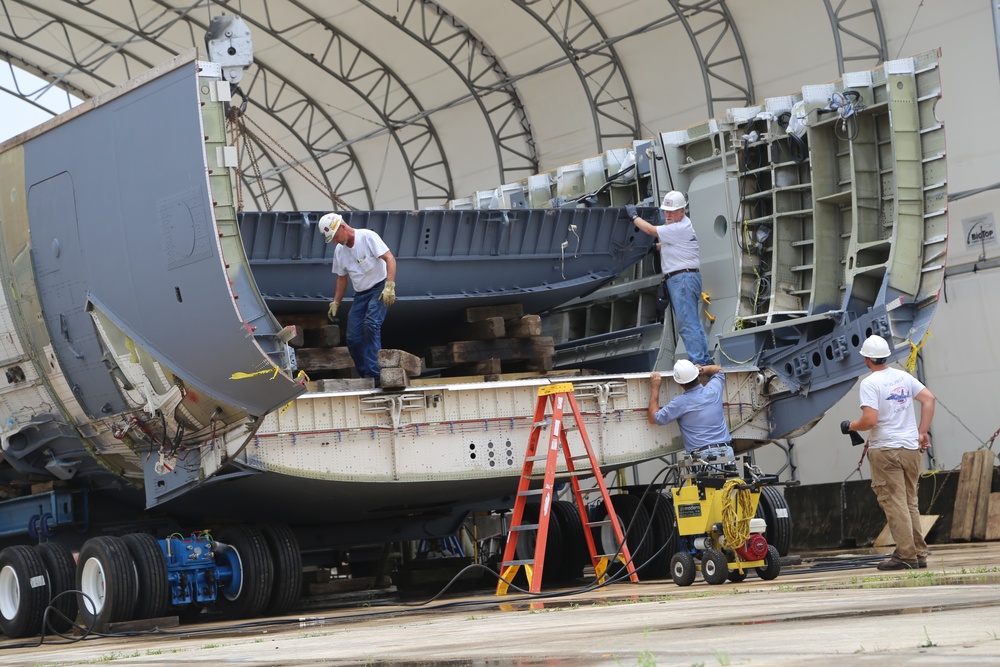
(891, 392)
(678, 245)
(363, 262)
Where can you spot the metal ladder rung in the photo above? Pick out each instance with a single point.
(525, 526)
(538, 457)
(588, 472)
(605, 522)
(530, 492)
(518, 562)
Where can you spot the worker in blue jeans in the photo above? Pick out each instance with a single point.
(362, 256)
(678, 246)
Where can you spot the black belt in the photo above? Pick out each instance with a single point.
(679, 271)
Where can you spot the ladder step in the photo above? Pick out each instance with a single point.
(605, 522)
(524, 526)
(530, 492)
(539, 457)
(587, 472)
(518, 562)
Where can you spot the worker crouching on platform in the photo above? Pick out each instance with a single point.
(362, 256)
(698, 411)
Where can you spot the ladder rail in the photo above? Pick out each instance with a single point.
(560, 396)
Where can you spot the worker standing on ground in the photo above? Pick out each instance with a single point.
(895, 449)
(362, 255)
(678, 245)
(698, 411)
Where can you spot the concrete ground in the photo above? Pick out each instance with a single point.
(947, 614)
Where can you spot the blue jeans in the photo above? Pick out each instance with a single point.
(685, 300)
(364, 330)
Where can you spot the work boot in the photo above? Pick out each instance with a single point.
(894, 563)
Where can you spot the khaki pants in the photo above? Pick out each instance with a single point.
(894, 480)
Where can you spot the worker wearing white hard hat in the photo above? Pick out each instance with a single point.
(362, 257)
(698, 411)
(680, 263)
(896, 443)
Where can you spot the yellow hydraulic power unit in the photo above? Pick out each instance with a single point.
(717, 530)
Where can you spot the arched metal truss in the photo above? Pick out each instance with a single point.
(858, 22)
(591, 53)
(98, 49)
(490, 87)
(372, 80)
(720, 52)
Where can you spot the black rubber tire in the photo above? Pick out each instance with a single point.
(555, 546)
(663, 533)
(287, 558)
(682, 569)
(634, 521)
(714, 567)
(772, 564)
(105, 574)
(60, 571)
(736, 576)
(152, 586)
(575, 553)
(773, 508)
(22, 601)
(256, 572)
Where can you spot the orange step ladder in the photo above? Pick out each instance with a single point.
(560, 395)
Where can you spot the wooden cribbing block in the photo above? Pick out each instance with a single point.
(536, 347)
(525, 326)
(489, 328)
(411, 363)
(325, 336)
(972, 496)
(343, 384)
(885, 538)
(393, 378)
(323, 358)
(993, 518)
(506, 312)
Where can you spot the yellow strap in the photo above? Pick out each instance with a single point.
(911, 361)
(238, 375)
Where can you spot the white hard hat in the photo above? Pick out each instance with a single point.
(875, 347)
(685, 371)
(673, 201)
(329, 224)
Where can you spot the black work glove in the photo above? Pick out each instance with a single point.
(856, 439)
(631, 211)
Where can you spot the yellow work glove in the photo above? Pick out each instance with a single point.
(331, 312)
(388, 296)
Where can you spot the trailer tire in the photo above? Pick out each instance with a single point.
(105, 574)
(633, 520)
(773, 508)
(714, 567)
(152, 586)
(246, 547)
(555, 545)
(60, 569)
(24, 592)
(682, 568)
(287, 558)
(772, 564)
(663, 533)
(575, 553)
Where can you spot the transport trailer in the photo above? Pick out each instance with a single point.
(154, 420)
